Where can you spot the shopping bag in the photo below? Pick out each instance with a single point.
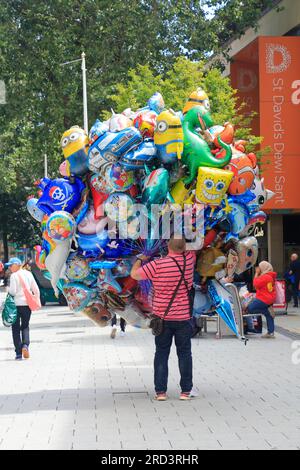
(33, 300)
(9, 312)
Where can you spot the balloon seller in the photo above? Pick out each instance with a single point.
(106, 213)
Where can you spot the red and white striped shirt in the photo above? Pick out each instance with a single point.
(165, 276)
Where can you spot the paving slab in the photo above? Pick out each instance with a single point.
(82, 390)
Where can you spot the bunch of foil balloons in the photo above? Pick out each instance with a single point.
(120, 185)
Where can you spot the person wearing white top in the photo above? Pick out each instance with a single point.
(20, 329)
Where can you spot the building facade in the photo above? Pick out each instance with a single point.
(265, 70)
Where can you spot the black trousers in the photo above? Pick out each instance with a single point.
(122, 322)
(296, 293)
(20, 329)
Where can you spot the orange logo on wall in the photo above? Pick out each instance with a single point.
(279, 114)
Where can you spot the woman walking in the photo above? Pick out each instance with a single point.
(20, 329)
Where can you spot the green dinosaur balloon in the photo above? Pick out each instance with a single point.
(196, 151)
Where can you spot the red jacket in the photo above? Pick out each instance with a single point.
(265, 287)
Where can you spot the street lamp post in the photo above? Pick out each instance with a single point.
(84, 92)
(45, 166)
(84, 89)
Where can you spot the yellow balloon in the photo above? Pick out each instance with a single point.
(168, 136)
(74, 140)
(212, 185)
(197, 98)
(211, 261)
(181, 194)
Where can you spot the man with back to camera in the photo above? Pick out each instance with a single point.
(172, 279)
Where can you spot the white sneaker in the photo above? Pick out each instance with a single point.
(194, 394)
(113, 332)
(122, 333)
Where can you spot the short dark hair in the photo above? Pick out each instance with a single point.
(178, 245)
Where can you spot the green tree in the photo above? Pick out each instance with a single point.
(183, 78)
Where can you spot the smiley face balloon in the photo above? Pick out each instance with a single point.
(212, 185)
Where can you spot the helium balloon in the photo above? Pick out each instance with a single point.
(59, 195)
(243, 169)
(99, 314)
(180, 193)
(225, 132)
(61, 226)
(77, 268)
(118, 207)
(261, 194)
(90, 225)
(168, 137)
(99, 196)
(137, 158)
(232, 262)
(247, 251)
(78, 296)
(111, 146)
(64, 168)
(118, 178)
(238, 218)
(212, 185)
(155, 187)
(75, 143)
(156, 103)
(211, 261)
(118, 122)
(55, 262)
(134, 316)
(33, 210)
(107, 282)
(197, 98)
(196, 152)
(123, 268)
(145, 122)
(97, 130)
(93, 246)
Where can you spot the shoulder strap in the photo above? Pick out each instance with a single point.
(182, 272)
(176, 288)
(22, 281)
(188, 291)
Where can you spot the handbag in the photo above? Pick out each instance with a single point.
(9, 312)
(157, 323)
(33, 300)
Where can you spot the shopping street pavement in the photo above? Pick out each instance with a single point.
(82, 390)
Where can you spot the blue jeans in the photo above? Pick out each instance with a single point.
(256, 307)
(182, 331)
(20, 329)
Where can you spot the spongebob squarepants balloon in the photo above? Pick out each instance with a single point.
(212, 185)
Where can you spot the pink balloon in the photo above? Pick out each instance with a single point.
(89, 225)
(63, 169)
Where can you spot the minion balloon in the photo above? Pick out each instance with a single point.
(168, 137)
(197, 98)
(75, 144)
